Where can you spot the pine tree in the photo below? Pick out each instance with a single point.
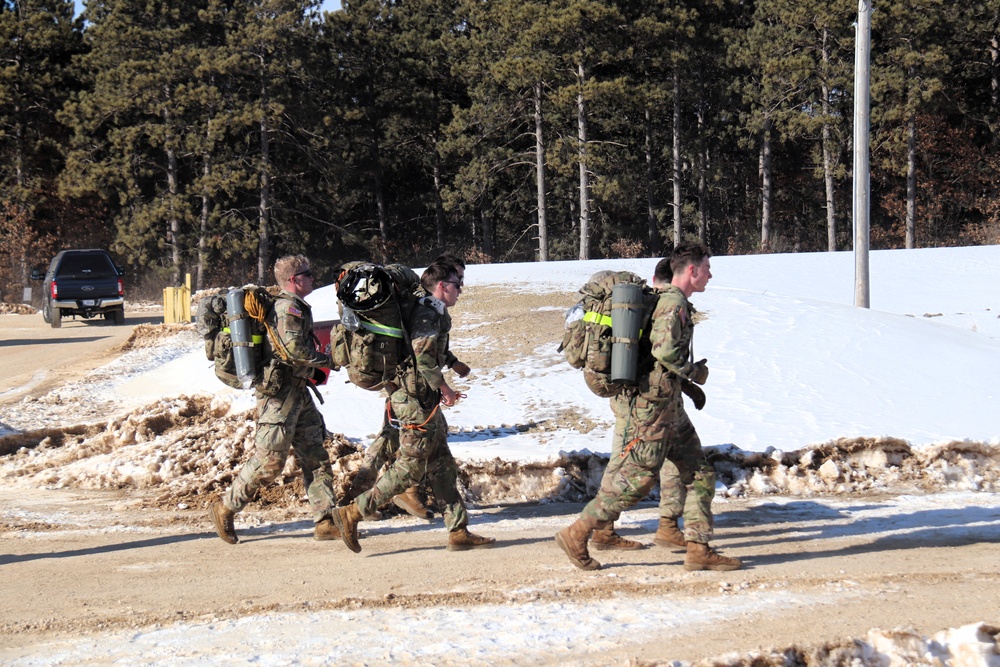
(38, 39)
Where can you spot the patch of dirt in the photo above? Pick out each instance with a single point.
(516, 324)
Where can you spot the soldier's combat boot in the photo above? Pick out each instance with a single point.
(669, 535)
(605, 538)
(700, 556)
(326, 530)
(461, 539)
(409, 501)
(222, 518)
(573, 542)
(346, 520)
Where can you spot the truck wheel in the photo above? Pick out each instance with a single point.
(56, 317)
(47, 312)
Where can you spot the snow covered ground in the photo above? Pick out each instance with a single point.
(794, 367)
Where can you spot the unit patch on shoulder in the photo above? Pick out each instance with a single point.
(292, 310)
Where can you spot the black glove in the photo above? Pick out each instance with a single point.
(699, 374)
(695, 393)
(319, 376)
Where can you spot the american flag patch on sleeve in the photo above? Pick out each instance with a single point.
(292, 310)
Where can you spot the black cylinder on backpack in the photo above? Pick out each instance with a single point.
(626, 325)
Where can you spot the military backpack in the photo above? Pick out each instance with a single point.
(212, 322)
(587, 341)
(371, 340)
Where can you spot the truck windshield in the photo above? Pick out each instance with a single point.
(89, 266)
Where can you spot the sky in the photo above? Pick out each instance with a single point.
(793, 363)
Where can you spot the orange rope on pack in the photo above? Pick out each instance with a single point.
(256, 310)
(412, 427)
(629, 446)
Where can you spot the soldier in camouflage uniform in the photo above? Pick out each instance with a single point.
(287, 418)
(415, 409)
(385, 447)
(653, 426)
(673, 492)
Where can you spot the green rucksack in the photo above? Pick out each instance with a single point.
(212, 322)
(587, 340)
(371, 340)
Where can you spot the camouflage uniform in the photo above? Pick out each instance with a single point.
(651, 427)
(423, 430)
(382, 450)
(672, 491)
(287, 418)
(385, 447)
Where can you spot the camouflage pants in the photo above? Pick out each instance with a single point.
(382, 450)
(673, 492)
(647, 434)
(288, 421)
(423, 452)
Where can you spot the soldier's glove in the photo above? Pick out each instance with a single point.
(699, 374)
(461, 369)
(695, 393)
(319, 376)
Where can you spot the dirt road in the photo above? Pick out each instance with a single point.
(109, 563)
(34, 357)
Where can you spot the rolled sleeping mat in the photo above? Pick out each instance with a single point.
(626, 327)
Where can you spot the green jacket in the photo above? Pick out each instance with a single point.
(672, 331)
(430, 327)
(294, 325)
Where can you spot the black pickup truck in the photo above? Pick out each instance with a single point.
(82, 282)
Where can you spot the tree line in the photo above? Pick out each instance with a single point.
(207, 137)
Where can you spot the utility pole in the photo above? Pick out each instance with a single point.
(862, 171)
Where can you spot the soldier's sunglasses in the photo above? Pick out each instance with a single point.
(307, 273)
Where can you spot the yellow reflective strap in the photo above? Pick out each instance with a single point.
(256, 338)
(597, 318)
(604, 320)
(377, 328)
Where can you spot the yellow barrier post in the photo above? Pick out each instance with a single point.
(177, 302)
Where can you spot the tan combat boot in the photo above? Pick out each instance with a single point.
(669, 535)
(700, 556)
(461, 539)
(326, 529)
(222, 518)
(605, 538)
(573, 542)
(409, 501)
(346, 520)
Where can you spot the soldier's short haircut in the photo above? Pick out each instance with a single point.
(688, 254)
(442, 268)
(288, 266)
(454, 259)
(663, 273)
